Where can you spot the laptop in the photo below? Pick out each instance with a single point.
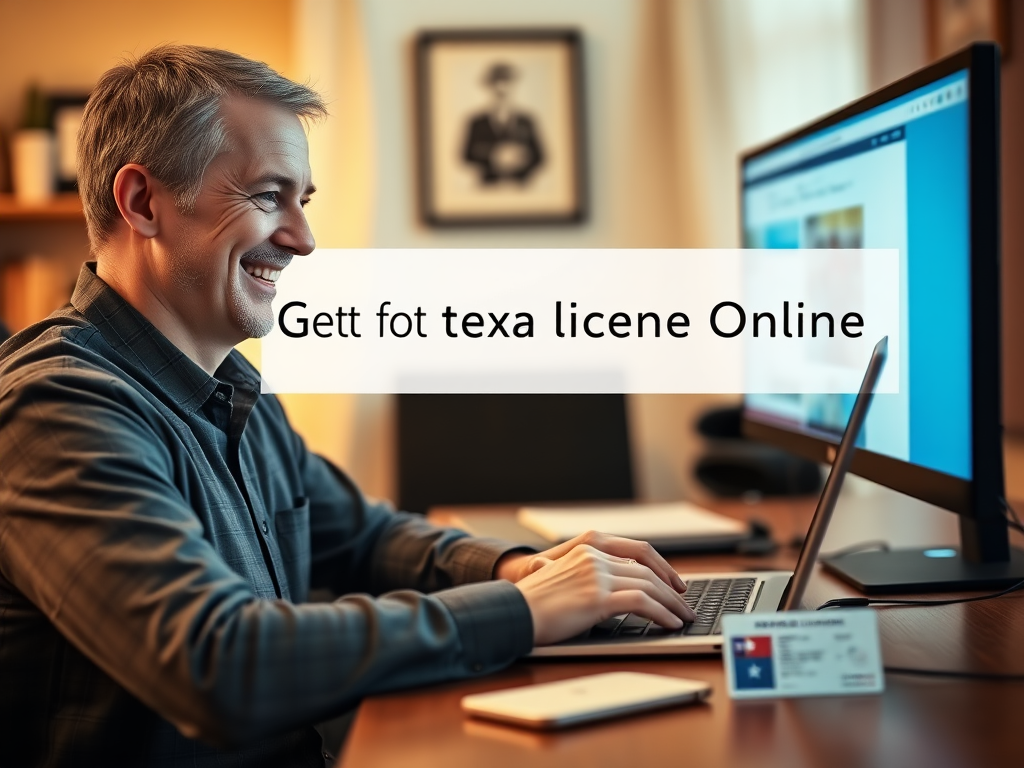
(712, 595)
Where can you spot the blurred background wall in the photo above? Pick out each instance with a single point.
(674, 89)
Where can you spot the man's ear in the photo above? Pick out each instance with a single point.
(138, 196)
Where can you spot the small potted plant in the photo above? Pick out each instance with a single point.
(32, 152)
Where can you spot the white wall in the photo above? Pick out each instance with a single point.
(746, 72)
(624, 192)
(633, 199)
(673, 90)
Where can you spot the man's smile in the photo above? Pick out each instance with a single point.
(267, 275)
(265, 264)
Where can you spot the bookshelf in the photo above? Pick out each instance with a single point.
(65, 206)
(41, 249)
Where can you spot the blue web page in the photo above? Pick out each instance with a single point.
(931, 423)
(938, 291)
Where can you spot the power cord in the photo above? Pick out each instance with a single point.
(1001, 677)
(863, 602)
(874, 545)
(850, 602)
(1015, 522)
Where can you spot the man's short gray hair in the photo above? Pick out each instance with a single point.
(162, 111)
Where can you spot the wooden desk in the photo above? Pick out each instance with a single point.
(918, 721)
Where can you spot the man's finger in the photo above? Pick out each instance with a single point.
(655, 589)
(536, 562)
(634, 568)
(564, 548)
(652, 559)
(642, 552)
(639, 602)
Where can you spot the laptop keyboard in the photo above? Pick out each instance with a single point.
(710, 599)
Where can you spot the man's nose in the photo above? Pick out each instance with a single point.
(294, 235)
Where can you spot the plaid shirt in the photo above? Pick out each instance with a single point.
(160, 530)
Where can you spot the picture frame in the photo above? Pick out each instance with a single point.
(66, 110)
(954, 24)
(500, 127)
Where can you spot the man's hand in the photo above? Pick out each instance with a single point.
(575, 585)
(509, 157)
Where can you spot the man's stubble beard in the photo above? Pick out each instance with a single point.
(251, 316)
(255, 317)
(182, 267)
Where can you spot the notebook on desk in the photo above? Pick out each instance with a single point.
(712, 595)
(668, 527)
(678, 527)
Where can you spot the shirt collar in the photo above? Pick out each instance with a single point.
(131, 335)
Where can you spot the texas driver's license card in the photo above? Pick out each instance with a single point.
(802, 653)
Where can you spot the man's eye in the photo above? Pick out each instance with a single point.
(266, 198)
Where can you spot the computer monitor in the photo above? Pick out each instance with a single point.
(914, 166)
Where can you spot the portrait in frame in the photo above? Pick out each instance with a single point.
(500, 127)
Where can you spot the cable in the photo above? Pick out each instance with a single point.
(846, 602)
(863, 602)
(993, 676)
(1015, 522)
(864, 546)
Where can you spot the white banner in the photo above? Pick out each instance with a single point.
(583, 321)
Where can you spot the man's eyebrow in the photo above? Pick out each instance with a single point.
(283, 181)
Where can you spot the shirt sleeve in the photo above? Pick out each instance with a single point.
(364, 546)
(95, 534)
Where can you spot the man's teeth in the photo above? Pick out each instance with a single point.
(266, 273)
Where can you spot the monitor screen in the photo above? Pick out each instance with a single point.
(892, 176)
(912, 167)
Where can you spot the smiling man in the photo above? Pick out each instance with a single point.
(161, 524)
(207, 278)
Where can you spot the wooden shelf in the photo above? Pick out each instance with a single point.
(64, 206)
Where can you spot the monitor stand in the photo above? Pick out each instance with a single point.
(936, 569)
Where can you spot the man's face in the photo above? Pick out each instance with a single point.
(220, 262)
(502, 88)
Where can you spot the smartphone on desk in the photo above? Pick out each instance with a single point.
(584, 699)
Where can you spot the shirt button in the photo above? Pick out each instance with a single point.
(220, 396)
(266, 528)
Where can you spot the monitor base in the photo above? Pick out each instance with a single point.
(936, 569)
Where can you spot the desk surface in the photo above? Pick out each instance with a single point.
(917, 721)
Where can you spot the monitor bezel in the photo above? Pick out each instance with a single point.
(980, 497)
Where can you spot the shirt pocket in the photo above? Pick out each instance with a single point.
(293, 538)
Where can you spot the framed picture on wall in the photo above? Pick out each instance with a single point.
(500, 127)
(957, 23)
(66, 111)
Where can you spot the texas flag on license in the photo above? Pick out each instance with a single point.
(752, 662)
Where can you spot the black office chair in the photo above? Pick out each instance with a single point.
(734, 465)
(514, 449)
